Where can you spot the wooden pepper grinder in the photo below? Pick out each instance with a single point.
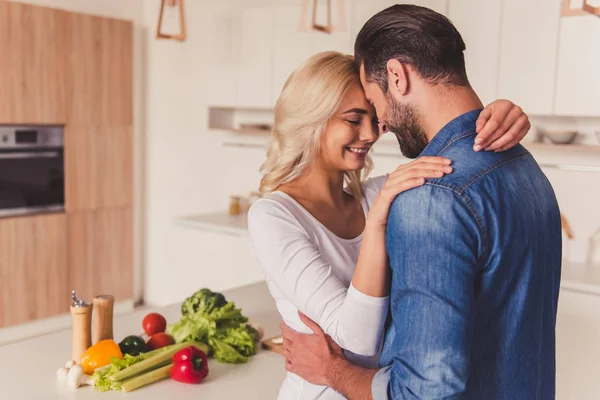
(81, 313)
(103, 317)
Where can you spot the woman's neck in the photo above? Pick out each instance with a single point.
(320, 186)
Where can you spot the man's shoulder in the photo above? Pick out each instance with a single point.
(470, 166)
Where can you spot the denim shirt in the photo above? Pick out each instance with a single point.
(475, 259)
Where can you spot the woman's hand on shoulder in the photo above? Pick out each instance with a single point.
(405, 177)
(501, 126)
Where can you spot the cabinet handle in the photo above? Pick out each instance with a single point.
(29, 154)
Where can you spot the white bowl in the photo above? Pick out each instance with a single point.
(560, 137)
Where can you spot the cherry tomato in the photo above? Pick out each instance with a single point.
(159, 340)
(154, 323)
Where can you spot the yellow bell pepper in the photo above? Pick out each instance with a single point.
(99, 355)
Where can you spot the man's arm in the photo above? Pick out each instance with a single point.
(319, 360)
(433, 241)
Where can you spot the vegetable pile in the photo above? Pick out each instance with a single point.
(133, 372)
(209, 318)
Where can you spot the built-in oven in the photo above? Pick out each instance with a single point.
(31, 169)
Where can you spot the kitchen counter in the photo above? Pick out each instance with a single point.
(28, 369)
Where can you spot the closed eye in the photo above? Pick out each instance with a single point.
(354, 122)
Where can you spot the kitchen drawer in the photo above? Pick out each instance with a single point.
(33, 268)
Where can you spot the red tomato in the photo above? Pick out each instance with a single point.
(154, 323)
(159, 340)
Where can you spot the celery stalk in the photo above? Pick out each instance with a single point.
(147, 378)
(154, 361)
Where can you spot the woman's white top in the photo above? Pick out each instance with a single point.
(309, 269)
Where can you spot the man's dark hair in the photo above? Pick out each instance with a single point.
(413, 35)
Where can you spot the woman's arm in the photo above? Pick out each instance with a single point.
(293, 264)
(371, 274)
(354, 317)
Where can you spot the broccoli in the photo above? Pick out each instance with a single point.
(204, 300)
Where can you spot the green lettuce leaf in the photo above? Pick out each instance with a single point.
(240, 338)
(192, 328)
(226, 353)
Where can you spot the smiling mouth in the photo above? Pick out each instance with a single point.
(358, 150)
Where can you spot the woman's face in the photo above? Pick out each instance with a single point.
(350, 134)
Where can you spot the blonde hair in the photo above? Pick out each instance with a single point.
(310, 98)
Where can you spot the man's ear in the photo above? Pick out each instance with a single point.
(397, 78)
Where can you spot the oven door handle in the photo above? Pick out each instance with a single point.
(29, 154)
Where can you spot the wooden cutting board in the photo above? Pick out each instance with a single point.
(268, 344)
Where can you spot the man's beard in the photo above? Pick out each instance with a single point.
(402, 119)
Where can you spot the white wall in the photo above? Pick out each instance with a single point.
(188, 171)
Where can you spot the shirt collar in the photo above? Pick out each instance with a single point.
(458, 128)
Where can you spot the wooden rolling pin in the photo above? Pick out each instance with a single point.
(103, 317)
(81, 313)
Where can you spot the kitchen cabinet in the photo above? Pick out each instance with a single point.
(33, 268)
(221, 25)
(98, 167)
(101, 61)
(100, 253)
(482, 39)
(255, 58)
(578, 80)
(290, 47)
(528, 50)
(33, 64)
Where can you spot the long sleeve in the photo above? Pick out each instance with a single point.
(293, 263)
(433, 242)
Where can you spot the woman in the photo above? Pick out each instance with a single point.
(319, 232)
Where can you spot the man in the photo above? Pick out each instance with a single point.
(475, 256)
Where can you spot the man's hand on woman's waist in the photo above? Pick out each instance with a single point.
(319, 360)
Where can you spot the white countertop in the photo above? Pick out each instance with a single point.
(28, 368)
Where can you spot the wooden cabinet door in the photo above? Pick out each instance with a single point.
(100, 253)
(101, 61)
(34, 43)
(528, 48)
(482, 38)
(578, 80)
(98, 167)
(33, 268)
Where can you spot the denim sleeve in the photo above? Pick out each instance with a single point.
(433, 241)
